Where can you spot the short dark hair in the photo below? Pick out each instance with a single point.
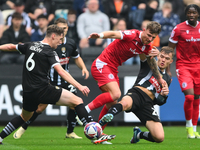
(168, 50)
(17, 16)
(154, 27)
(194, 6)
(71, 12)
(42, 16)
(54, 29)
(60, 20)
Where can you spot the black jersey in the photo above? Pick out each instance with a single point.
(147, 80)
(39, 57)
(65, 51)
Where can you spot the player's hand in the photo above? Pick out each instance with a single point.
(165, 90)
(161, 81)
(93, 36)
(85, 73)
(85, 90)
(154, 52)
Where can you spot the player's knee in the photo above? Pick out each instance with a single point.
(116, 95)
(159, 138)
(78, 101)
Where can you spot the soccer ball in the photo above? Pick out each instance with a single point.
(93, 130)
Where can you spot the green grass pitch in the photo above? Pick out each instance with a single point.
(53, 138)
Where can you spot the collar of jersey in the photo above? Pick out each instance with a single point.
(190, 25)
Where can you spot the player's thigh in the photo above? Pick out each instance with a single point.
(185, 79)
(156, 130)
(69, 99)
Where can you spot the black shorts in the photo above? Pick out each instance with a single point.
(49, 95)
(69, 87)
(142, 106)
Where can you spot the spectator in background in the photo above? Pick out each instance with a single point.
(80, 6)
(168, 21)
(151, 9)
(1, 25)
(34, 23)
(14, 34)
(72, 27)
(93, 20)
(40, 33)
(46, 5)
(116, 9)
(19, 8)
(7, 4)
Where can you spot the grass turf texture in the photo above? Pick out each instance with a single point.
(53, 138)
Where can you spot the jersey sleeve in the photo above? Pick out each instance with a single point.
(75, 52)
(53, 58)
(174, 35)
(22, 48)
(128, 35)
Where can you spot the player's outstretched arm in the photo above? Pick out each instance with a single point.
(105, 35)
(79, 62)
(8, 47)
(154, 67)
(67, 77)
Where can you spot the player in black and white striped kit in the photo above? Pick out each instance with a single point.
(39, 58)
(142, 97)
(65, 51)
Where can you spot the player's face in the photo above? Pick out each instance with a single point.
(192, 16)
(147, 37)
(164, 60)
(64, 26)
(57, 40)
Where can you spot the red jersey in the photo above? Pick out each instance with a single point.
(188, 44)
(122, 49)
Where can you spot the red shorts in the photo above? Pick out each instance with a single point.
(189, 79)
(102, 73)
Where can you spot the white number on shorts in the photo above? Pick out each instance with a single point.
(30, 63)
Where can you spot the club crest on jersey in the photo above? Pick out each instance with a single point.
(111, 76)
(184, 85)
(63, 49)
(57, 87)
(143, 48)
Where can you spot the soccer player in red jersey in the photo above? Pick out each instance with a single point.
(104, 69)
(186, 38)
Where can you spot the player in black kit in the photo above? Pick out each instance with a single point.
(39, 58)
(65, 51)
(142, 97)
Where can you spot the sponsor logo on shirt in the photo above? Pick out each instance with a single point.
(64, 61)
(63, 49)
(155, 84)
(133, 51)
(193, 39)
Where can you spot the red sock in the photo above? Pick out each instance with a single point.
(195, 115)
(102, 113)
(100, 100)
(188, 106)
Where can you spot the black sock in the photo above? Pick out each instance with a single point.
(115, 109)
(147, 136)
(83, 115)
(11, 126)
(27, 123)
(71, 120)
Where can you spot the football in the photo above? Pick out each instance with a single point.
(93, 130)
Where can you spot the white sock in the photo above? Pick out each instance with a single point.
(189, 123)
(1, 139)
(195, 128)
(138, 135)
(87, 108)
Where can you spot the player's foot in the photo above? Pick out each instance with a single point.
(79, 121)
(103, 138)
(1, 143)
(73, 136)
(19, 133)
(134, 139)
(197, 135)
(105, 119)
(106, 143)
(190, 133)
